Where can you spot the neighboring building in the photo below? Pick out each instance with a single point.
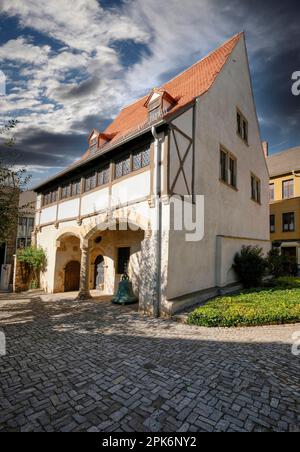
(21, 237)
(284, 169)
(196, 135)
(27, 205)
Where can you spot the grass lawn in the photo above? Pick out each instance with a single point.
(277, 304)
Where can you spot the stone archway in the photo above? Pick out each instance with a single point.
(67, 262)
(106, 239)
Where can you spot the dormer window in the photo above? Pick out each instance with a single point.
(93, 145)
(159, 103)
(93, 141)
(155, 109)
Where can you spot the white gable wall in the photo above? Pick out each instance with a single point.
(197, 266)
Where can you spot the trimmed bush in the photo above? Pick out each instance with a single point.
(250, 266)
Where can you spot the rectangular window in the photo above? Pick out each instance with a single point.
(242, 127)
(66, 191)
(141, 159)
(288, 222)
(223, 163)
(123, 260)
(75, 188)
(91, 182)
(228, 168)
(103, 176)
(272, 224)
(272, 192)
(232, 172)
(50, 197)
(288, 189)
(255, 189)
(123, 167)
(30, 226)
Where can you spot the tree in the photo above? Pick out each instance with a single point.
(35, 260)
(12, 181)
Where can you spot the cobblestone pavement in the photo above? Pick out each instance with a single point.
(95, 367)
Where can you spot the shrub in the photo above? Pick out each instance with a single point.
(281, 265)
(34, 258)
(275, 263)
(250, 266)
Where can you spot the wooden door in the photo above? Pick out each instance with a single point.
(72, 276)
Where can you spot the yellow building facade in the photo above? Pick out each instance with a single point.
(284, 169)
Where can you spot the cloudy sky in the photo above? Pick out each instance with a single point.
(71, 65)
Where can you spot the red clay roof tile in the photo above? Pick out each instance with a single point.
(185, 88)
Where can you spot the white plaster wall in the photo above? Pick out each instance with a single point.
(227, 248)
(183, 123)
(68, 209)
(48, 215)
(131, 189)
(95, 201)
(193, 266)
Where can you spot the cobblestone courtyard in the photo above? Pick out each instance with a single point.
(91, 366)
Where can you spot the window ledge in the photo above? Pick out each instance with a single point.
(228, 185)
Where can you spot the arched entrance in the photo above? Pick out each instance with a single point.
(99, 273)
(72, 276)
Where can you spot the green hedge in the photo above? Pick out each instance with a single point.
(258, 307)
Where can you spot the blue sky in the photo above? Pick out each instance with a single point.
(72, 69)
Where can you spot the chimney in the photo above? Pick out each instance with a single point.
(265, 146)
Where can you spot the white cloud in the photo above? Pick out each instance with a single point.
(62, 88)
(22, 50)
(81, 25)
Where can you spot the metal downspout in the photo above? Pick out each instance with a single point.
(158, 223)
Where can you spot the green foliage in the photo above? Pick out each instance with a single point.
(12, 181)
(250, 266)
(275, 263)
(278, 305)
(281, 265)
(288, 282)
(34, 258)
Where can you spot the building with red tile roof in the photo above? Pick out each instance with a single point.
(173, 188)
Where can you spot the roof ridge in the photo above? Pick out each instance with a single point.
(241, 33)
(204, 58)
